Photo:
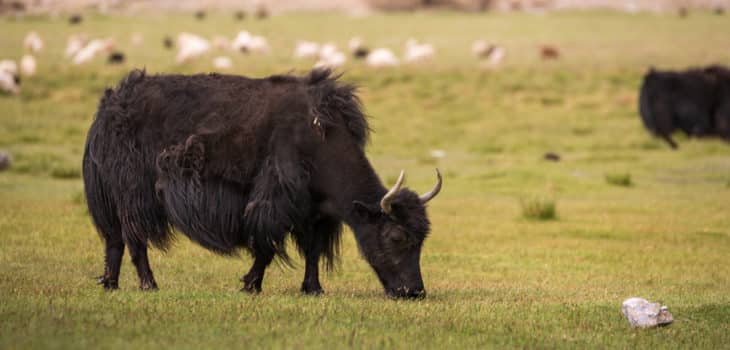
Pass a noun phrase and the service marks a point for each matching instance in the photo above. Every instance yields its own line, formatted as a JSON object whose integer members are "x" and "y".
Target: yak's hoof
{"x": 312, "y": 291}
{"x": 148, "y": 286}
{"x": 251, "y": 289}
{"x": 107, "y": 283}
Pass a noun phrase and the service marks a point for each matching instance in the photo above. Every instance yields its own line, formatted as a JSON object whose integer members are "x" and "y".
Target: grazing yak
{"x": 240, "y": 164}
{"x": 695, "y": 101}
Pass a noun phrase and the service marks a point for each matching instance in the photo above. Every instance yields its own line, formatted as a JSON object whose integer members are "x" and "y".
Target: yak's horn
{"x": 385, "y": 202}
{"x": 429, "y": 196}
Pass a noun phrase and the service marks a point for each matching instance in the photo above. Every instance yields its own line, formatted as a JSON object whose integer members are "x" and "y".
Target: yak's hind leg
{"x": 253, "y": 279}
{"x": 321, "y": 239}
{"x": 112, "y": 260}
{"x": 138, "y": 252}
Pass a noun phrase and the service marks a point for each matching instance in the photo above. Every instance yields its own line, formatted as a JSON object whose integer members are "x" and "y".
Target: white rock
{"x": 136, "y": 39}
{"x": 644, "y": 314}
{"x": 438, "y": 153}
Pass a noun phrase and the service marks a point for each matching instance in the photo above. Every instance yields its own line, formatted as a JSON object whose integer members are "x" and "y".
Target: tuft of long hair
{"x": 332, "y": 99}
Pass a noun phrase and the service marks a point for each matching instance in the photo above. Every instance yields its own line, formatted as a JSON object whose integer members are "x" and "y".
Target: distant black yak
{"x": 239, "y": 164}
{"x": 695, "y": 101}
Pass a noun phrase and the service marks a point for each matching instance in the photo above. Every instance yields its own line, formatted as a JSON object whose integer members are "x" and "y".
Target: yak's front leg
{"x": 320, "y": 240}
{"x": 138, "y": 252}
{"x": 255, "y": 276}
{"x": 311, "y": 284}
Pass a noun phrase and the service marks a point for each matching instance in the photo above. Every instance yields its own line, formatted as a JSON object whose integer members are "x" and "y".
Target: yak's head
{"x": 391, "y": 235}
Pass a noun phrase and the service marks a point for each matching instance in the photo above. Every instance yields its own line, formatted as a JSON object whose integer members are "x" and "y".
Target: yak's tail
{"x": 102, "y": 208}
{"x": 119, "y": 190}
{"x": 645, "y": 105}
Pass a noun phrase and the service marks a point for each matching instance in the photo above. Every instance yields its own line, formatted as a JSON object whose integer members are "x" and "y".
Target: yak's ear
{"x": 365, "y": 211}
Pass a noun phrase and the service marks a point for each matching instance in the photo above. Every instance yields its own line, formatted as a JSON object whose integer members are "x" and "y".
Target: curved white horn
{"x": 385, "y": 202}
{"x": 429, "y": 196}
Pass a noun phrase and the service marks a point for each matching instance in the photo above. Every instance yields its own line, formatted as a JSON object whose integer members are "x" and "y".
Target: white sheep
{"x": 382, "y": 57}
{"x": 306, "y": 49}
{"x": 33, "y": 42}
{"x": 493, "y": 54}
{"x": 222, "y": 63}
{"x": 245, "y": 42}
{"x": 416, "y": 51}
{"x": 357, "y": 48}
{"x": 9, "y": 80}
{"x": 333, "y": 60}
{"x": 191, "y": 47}
{"x": 74, "y": 44}
{"x": 28, "y": 65}
{"x": 259, "y": 44}
{"x": 91, "y": 50}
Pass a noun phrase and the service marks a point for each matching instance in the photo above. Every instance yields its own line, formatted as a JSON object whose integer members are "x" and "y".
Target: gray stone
{"x": 5, "y": 160}
{"x": 644, "y": 314}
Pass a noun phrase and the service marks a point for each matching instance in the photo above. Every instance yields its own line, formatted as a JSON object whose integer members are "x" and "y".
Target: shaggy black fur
{"x": 695, "y": 101}
{"x": 237, "y": 163}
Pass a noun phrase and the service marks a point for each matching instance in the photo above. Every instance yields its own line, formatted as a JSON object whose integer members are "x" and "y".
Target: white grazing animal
{"x": 241, "y": 42}
{"x": 28, "y": 65}
{"x": 74, "y": 44}
{"x": 418, "y": 52}
{"x": 331, "y": 60}
{"x": 355, "y": 44}
{"x": 33, "y": 42}
{"x": 91, "y": 50}
{"x": 479, "y": 48}
{"x": 9, "y": 66}
{"x": 9, "y": 77}
{"x": 191, "y": 47}
{"x": 259, "y": 44}
{"x": 495, "y": 56}
{"x": 245, "y": 42}
{"x": 382, "y": 57}
{"x": 306, "y": 49}
{"x": 223, "y": 63}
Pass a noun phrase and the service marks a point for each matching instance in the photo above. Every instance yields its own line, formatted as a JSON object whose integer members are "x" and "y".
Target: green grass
{"x": 619, "y": 179}
{"x": 494, "y": 279}
{"x": 538, "y": 208}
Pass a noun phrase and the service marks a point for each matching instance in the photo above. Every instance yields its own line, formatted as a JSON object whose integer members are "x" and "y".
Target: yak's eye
{"x": 397, "y": 236}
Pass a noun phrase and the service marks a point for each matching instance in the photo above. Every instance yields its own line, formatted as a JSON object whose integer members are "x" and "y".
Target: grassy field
{"x": 494, "y": 277}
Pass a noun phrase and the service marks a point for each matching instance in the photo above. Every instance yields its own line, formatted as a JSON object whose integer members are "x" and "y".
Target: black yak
{"x": 240, "y": 164}
{"x": 694, "y": 101}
